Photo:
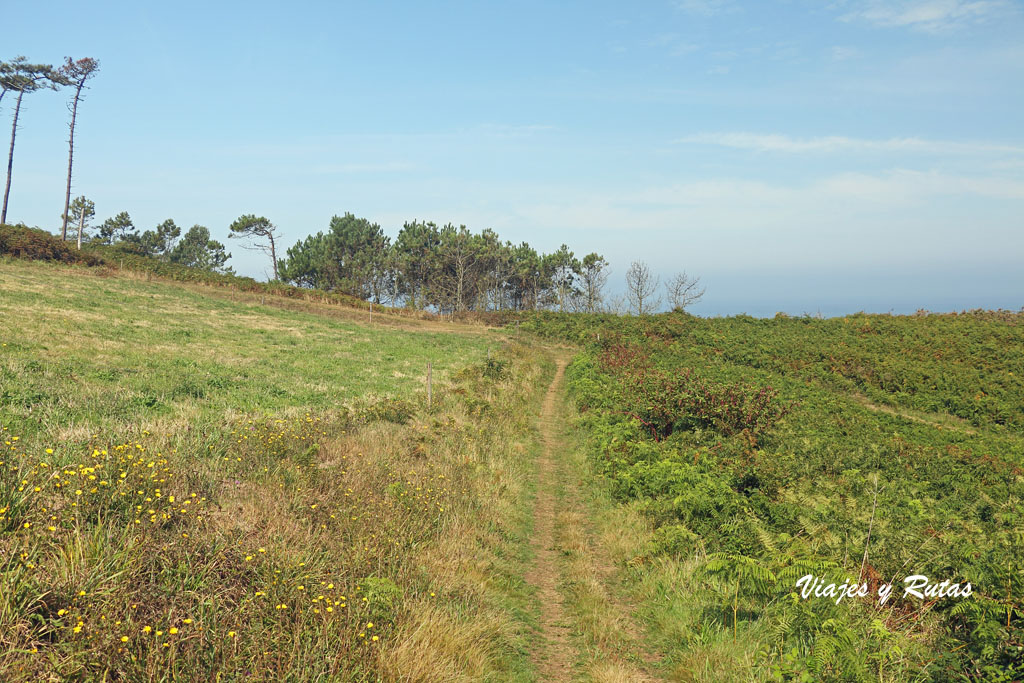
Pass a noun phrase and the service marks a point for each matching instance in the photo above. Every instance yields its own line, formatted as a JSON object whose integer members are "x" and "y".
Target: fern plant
{"x": 736, "y": 574}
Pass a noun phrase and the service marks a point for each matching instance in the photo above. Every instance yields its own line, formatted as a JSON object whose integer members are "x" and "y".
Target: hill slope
{"x": 192, "y": 486}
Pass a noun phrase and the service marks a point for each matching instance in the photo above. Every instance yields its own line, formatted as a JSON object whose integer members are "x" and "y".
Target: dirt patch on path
{"x": 555, "y": 658}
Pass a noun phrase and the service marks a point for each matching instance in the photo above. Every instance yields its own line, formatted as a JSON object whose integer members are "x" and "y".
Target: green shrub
{"x": 495, "y": 369}
{"x": 674, "y": 539}
{"x": 32, "y": 243}
{"x": 383, "y": 599}
{"x": 394, "y": 410}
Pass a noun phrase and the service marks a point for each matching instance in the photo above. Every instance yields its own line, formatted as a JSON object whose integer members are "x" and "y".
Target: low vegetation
{"x": 204, "y": 476}
{"x": 867, "y": 448}
{"x": 192, "y": 487}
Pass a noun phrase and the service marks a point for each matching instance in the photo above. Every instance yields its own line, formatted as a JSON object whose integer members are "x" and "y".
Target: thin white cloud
{"x": 893, "y": 188}
{"x": 841, "y": 53}
{"x": 842, "y": 220}
{"x": 927, "y": 15}
{"x": 735, "y": 204}
{"x": 906, "y": 186}
{"x": 834, "y": 143}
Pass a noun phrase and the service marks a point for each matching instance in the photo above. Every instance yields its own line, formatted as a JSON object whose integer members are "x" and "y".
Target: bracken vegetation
{"x": 204, "y": 478}
{"x": 865, "y": 447}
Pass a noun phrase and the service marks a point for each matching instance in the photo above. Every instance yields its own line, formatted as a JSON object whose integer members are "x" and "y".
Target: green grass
{"x": 199, "y": 488}
{"x": 83, "y": 353}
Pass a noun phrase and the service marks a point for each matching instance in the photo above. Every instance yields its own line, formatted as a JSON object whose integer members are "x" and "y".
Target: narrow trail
{"x": 555, "y": 659}
{"x": 572, "y": 573}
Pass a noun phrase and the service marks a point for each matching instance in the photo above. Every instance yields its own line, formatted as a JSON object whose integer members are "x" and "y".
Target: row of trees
{"x": 447, "y": 268}
{"x": 22, "y": 77}
{"x": 452, "y": 269}
{"x": 165, "y": 242}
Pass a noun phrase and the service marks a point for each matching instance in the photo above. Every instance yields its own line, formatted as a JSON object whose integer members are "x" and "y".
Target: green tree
{"x": 593, "y": 278}
{"x": 356, "y": 255}
{"x": 197, "y": 250}
{"x": 305, "y": 264}
{"x": 526, "y": 278}
{"x": 455, "y": 278}
{"x": 258, "y": 227}
{"x": 495, "y": 272}
{"x": 414, "y": 250}
{"x": 22, "y": 77}
{"x": 564, "y": 267}
{"x": 6, "y": 68}
{"x": 82, "y": 210}
{"x": 74, "y": 73}
{"x": 160, "y": 242}
{"x": 118, "y": 228}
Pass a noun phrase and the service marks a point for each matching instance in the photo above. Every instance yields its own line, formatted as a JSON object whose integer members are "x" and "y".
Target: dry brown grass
{"x": 435, "y": 508}
{"x": 438, "y": 644}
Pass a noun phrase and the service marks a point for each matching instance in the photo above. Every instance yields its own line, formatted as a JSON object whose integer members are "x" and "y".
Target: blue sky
{"x": 799, "y": 155}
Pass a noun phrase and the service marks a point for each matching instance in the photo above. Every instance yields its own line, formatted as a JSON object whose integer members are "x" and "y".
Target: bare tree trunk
{"x": 273, "y": 256}
{"x": 81, "y": 225}
{"x": 71, "y": 158}
{"x": 10, "y": 157}
{"x": 460, "y": 276}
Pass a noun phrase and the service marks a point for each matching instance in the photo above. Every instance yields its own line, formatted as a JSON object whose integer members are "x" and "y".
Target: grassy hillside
{"x": 88, "y": 353}
{"x": 868, "y": 447}
{"x": 199, "y": 480}
{"x": 193, "y": 485}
